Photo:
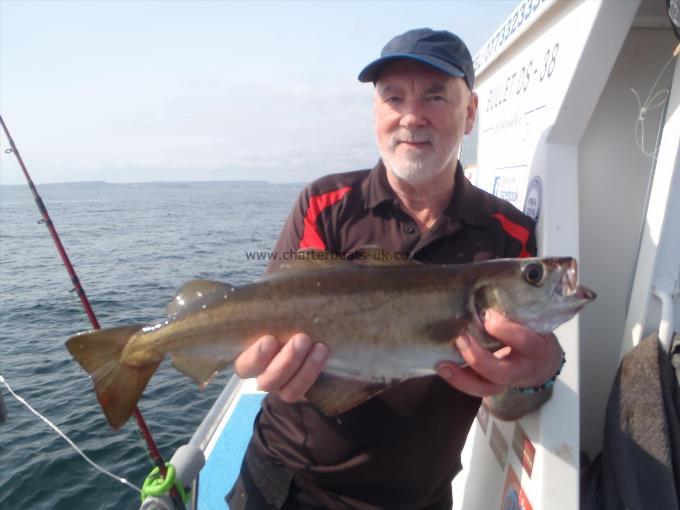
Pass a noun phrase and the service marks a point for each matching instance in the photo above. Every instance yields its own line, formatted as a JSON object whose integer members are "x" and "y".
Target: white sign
{"x": 520, "y": 99}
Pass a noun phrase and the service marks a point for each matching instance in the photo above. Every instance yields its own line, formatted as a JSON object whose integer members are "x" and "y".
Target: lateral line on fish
{"x": 372, "y": 308}
{"x": 68, "y": 440}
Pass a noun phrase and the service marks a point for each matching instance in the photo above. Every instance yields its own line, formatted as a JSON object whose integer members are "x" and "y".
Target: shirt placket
{"x": 445, "y": 226}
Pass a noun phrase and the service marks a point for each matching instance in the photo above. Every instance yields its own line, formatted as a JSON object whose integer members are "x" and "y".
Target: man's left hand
{"x": 527, "y": 359}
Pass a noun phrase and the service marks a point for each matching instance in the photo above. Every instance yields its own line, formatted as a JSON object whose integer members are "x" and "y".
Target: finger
{"x": 515, "y": 335}
{"x": 303, "y": 379}
{"x": 497, "y": 370}
{"x": 255, "y": 359}
{"x": 467, "y": 380}
{"x": 544, "y": 364}
{"x": 503, "y": 352}
{"x": 285, "y": 364}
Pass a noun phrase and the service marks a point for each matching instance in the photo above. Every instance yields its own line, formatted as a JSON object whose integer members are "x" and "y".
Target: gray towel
{"x": 641, "y": 450}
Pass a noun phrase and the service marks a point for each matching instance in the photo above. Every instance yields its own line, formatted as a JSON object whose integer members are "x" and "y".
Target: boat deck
{"x": 220, "y": 470}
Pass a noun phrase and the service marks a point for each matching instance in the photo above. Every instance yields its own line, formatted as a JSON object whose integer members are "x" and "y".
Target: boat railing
{"x": 212, "y": 420}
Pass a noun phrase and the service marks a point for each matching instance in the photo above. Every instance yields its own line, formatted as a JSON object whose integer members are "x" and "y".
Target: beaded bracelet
{"x": 547, "y": 384}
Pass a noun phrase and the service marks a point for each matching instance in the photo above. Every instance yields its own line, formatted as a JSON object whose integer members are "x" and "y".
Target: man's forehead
{"x": 408, "y": 70}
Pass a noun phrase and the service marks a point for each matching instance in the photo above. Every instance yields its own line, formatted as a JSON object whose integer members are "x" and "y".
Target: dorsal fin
{"x": 373, "y": 255}
{"x": 311, "y": 259}
{"x": 197, "y": 295}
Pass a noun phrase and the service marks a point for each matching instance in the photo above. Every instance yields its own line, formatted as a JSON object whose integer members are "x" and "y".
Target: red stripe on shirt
{"x": 311, "y": 237}
{"x": 516, "y": 231}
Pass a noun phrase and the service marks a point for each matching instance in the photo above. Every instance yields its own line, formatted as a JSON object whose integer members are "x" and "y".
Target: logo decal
{"x": 534, "y": 198}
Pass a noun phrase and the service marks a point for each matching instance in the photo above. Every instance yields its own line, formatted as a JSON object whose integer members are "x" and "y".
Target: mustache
{"x": 411, "y": 136}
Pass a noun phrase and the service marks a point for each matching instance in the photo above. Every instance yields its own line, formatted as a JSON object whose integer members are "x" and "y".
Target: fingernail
{"x": 302, "y": 343}
{"x": 319, "y": 353}
{"x": 462, "y": 343}
{"x": 446, "y": 373}
{"x": 268, "y": 345}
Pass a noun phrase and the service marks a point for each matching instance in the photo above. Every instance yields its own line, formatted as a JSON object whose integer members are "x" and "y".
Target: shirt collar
{"x": 376, "y": 189}
{"x": 466, "y": 200}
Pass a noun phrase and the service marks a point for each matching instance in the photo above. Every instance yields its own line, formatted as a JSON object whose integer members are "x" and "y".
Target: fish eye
{"x": 533, "y": 273}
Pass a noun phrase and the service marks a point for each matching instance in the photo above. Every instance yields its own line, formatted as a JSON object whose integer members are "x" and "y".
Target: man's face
{"x": 421, "y": 116}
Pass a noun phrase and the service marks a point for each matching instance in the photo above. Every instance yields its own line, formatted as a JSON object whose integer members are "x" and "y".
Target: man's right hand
{"x": 289, "y": 369}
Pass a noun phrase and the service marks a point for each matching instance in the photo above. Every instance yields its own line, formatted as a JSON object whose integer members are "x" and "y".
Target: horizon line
{"x": 258, "y": 181}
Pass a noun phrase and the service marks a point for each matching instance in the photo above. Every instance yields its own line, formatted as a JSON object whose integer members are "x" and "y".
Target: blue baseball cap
{"x": 440, "y": 49}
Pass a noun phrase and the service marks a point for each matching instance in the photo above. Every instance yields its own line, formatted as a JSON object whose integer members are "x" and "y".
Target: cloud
{"x": 254, "y": 130}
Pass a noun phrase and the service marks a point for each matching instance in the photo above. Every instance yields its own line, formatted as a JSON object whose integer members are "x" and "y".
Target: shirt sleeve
{"x": 306, "y": 228}
{"x": 531, "y": 247}
{"x": 521, "y": 237}
{"x": 291, "y": 234}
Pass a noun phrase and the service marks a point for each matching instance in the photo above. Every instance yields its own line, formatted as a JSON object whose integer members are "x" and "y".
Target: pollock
{"x": 384, "y": 321}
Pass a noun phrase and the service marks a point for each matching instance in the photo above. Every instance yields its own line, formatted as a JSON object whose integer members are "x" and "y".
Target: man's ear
{"x": 473, "y": 102}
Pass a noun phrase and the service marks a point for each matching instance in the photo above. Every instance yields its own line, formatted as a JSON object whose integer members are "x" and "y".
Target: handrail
{"x": 213, "y": 418}
{"x": 666, "y": 323}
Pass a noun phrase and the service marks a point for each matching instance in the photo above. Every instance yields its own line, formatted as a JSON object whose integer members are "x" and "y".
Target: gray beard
{"x": 415, "y": 170}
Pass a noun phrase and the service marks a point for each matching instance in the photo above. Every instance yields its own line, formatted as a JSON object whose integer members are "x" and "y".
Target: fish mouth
{"x": 568, "y": 285}
{"x": 585, "y": 293}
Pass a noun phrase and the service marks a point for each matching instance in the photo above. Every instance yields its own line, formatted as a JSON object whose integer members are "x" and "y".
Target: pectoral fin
{"x": 334, "y": 395}
{"x": 445, "y": 330}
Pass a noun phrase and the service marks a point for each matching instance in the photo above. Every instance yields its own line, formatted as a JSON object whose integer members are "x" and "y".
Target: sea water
{"x": 133, "y": 245}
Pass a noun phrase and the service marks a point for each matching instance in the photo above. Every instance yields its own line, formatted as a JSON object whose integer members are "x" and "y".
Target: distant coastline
{"x": 155, "y": 183}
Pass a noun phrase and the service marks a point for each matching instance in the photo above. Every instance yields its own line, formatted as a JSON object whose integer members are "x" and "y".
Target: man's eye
{"x": 393, "y": 99}
{"x": 436, "y": 98}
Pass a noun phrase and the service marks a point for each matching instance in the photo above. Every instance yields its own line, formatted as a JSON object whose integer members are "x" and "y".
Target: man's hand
{"x": 289, "y": 369}
{"x": 527, "y": 359}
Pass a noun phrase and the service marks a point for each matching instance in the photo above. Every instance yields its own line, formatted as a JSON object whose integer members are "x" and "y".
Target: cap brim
{"x": 371, "y": 72}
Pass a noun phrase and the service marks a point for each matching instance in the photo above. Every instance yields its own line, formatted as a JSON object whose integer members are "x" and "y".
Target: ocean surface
{"x": 133, "y": 245}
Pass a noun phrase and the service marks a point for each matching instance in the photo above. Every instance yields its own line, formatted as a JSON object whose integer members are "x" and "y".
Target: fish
{"x": 384, "y": 319}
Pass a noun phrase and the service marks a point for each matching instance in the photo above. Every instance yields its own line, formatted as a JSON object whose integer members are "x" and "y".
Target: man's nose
{"x": 413, "y": 115}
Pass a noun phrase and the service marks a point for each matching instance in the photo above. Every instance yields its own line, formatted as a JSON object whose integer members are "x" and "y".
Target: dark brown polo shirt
{"x": 401, "y": 449}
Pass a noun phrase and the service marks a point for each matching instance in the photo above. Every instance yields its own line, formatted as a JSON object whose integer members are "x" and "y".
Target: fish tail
{"x": 118, "y": 385}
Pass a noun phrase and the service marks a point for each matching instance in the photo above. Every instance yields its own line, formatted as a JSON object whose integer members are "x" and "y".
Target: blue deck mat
{"x": 224, "y": 463}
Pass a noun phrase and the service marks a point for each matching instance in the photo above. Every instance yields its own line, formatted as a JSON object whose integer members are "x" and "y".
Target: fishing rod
{"x": 146, "y": 433}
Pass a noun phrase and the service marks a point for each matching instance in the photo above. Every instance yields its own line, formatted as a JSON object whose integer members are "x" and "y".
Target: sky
{"x": 135, "y": 91}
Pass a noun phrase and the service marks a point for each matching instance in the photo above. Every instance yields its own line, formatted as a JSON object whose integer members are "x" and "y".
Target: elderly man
{"x": 401, "y": 449}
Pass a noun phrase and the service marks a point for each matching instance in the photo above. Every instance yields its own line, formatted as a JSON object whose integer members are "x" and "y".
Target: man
{"x": 401, "y": 449}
